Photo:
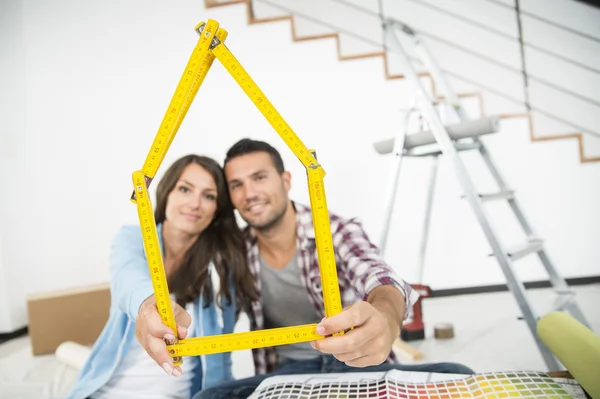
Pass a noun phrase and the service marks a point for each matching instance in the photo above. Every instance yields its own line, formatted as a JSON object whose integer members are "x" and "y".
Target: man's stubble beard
{"x": 270, "y": 224}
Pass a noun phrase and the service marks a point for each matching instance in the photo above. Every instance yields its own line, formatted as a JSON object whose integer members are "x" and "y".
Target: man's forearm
{"x": 390, "y": 302}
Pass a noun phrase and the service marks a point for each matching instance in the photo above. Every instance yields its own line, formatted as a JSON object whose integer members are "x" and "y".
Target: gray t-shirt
{"x": 285, "y": 303}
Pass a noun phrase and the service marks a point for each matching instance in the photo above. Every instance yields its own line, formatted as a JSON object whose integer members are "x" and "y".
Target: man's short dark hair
{"x": 249, "y": 146}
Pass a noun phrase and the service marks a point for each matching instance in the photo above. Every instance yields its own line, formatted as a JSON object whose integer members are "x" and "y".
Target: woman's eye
{"x": 183, "y": 189}
{"x": 210, "y": 197}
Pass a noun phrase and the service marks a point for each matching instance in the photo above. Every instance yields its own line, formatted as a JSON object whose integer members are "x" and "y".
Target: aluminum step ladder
{"x": 450, "y": 141}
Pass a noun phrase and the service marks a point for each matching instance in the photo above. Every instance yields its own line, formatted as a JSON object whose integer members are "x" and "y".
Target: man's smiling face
{"x": 258, "y": 191}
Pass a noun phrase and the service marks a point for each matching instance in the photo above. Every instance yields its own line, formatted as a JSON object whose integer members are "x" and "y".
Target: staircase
{"x": 515, "y": 58}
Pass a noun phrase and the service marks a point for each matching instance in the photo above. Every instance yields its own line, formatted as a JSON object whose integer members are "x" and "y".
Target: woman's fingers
{"x": 152, "y": 333}
{"x": 157, "y": 350}
{"x": 182, "y": 317}
{"x": 182, "y": 332}
{"x": 155, "y": 345}
{"x": 150, "y": 321}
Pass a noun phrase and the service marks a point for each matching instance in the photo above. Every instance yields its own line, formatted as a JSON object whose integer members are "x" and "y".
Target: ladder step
{"x": 468, "y": 129}
{"x": 533, "y": 246}
{"x": 435, "y": 151}
{"x": 564, "y": 300}
{"x": 503, "y": 194}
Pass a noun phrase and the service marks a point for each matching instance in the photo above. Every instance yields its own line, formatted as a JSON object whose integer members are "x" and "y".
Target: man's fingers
{"x": 367, "y": 355}
{"x": 370, "y": 350}
{"x": 354, "y": 316}
{"x": 349, "y": 342}
{"x": 364, "y": 361}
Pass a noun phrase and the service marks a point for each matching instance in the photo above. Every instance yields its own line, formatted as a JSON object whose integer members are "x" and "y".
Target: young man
{"x": 283, "y": 258}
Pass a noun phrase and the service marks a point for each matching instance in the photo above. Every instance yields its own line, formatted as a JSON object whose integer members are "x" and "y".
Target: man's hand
{"x": 376, "y": 326}
{"x": 152, "y": 333}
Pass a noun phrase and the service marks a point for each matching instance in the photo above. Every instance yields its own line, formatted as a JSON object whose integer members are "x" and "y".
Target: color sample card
{"x": 515, "y": 385}
{"x": 411, "y": 385}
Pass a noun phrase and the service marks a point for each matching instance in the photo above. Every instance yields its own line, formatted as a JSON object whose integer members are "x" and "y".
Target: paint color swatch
{"x": 392, "y": 385}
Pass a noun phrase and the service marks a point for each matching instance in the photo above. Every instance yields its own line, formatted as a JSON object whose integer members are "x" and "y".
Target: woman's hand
{"x": 152, "y": 333}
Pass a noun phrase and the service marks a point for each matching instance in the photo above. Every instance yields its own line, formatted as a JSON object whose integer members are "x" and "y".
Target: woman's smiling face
{"x": 192, "y": 203}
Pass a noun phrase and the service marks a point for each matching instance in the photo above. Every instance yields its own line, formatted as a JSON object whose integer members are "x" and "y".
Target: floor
{"x": 488, "y": 337}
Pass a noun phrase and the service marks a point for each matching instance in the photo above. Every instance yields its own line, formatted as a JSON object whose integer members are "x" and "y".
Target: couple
{"x": 215, "y": 271}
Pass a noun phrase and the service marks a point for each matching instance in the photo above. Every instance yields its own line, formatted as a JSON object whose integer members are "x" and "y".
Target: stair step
{"x": 353, "y": 47}
{"x": 267, "y": 12}
{"x": 307, "y": 28}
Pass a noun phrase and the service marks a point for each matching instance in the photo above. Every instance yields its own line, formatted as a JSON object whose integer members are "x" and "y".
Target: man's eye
{"x": 234, "y": 186}
{"x": 260, "y": 177}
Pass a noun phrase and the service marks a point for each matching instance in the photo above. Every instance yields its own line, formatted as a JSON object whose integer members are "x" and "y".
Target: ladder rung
{"x": 503, "y": 194}
{"x": 564, "y": 300}
{"x": 460, "y": 146}
{"x": 533, "y": 246}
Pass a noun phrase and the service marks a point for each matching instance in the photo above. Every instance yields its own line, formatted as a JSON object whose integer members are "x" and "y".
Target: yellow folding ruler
{"x": 211, "y": 45}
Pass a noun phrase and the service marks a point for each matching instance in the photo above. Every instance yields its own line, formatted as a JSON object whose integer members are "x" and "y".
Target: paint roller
{"x": 73, "y": 354}
{"x": 470, "y": 128}
{"x": 576, "y": 346}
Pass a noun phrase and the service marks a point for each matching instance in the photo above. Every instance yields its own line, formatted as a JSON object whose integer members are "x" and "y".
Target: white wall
{"x": 12, "y": 103}
{"x": 88, "y": 84}
{"x": 5, "y": 318}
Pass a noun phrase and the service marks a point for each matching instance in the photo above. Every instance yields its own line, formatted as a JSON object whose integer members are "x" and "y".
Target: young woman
{"x": 204, "y": 254}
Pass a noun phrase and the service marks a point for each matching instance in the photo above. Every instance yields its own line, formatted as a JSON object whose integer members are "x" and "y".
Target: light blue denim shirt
{"x": 130, "y": 286}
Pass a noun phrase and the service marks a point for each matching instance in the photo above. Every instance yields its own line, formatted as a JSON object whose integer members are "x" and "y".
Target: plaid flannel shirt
{"x": 360, "y": 269}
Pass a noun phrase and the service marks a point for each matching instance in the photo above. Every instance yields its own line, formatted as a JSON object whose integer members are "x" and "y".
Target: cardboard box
{"x": 77, "y": 315}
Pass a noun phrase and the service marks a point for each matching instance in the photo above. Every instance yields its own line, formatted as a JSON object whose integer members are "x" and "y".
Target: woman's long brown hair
{"x": 222, "y": 242}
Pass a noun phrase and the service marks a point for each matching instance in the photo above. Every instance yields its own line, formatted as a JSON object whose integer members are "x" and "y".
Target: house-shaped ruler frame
{"x": 210, "y": 46}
